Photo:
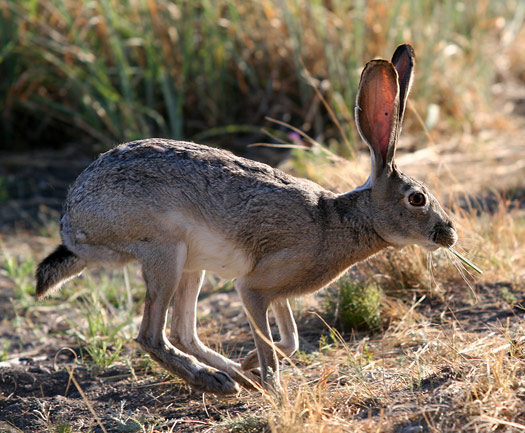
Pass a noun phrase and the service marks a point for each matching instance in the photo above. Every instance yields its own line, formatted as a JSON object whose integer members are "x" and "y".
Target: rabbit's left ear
{"x": 377, "y": 112}
{"x": 404, "y": 60}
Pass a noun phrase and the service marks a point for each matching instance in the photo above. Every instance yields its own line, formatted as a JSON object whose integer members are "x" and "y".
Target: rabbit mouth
{"x": 444, "y": 235}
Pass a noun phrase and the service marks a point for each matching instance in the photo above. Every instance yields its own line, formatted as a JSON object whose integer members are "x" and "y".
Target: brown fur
{"x": 181, "y": 208}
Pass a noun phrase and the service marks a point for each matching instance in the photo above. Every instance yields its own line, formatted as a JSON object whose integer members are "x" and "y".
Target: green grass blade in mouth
{"x": 466, "y": 261}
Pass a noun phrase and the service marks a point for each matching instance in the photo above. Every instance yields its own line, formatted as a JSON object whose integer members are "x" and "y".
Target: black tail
{"x": 57, "y": 268}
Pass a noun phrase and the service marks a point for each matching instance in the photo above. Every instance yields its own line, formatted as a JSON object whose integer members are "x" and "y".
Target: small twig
{"x": 279, "y": 146}
{"x": 465, "y": 260}
{"x": 127, "y": 285}
{"x": 204, "y": 404}
{"x": 326, "y": 105}
{"x": 421, "y": 122}
{"x": 502, "y": 422}
{"x": 84, "y": 397}
{"x": 313, "y": 143}
{"x": 56, "y": 368}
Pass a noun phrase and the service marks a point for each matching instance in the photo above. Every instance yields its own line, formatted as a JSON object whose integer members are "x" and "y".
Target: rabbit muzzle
{"x": 444, "y": 234}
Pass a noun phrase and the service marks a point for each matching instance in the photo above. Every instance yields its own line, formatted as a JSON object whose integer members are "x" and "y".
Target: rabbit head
{"x": 403, "y": 209}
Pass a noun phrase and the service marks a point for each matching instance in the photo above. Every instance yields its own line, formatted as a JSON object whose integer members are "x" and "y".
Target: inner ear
{"x": 378, "y": 105}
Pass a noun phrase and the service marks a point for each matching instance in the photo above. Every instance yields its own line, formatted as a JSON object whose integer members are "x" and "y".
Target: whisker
{"x": 430, "y": 268}
{"x": 459, "y": 265}
{"x": 465, "y": 260}
{"x": 465, "y": 273}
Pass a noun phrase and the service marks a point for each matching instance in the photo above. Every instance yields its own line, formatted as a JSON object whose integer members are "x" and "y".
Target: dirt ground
{"x": 44, "y": 387}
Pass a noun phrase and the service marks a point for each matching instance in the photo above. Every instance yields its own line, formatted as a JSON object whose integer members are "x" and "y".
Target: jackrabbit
{"x": 181, "y": 208}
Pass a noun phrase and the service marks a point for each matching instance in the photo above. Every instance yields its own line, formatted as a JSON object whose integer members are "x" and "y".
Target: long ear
{"x": 404, "y": 61}
{"x": 377, "y": 112}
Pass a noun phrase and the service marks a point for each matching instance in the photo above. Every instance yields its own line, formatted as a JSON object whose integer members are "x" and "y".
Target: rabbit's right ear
{"x": 377, "y": 112}
{"x": 404, "y": 60}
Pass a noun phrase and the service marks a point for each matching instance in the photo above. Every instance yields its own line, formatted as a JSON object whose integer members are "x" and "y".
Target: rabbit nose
{"x": 450, "y": 224}
{"x": 444, "y": 234}
{"x": 454, "y": 237}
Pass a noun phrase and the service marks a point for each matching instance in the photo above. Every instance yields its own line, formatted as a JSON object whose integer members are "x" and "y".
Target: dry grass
{"x": 449, "y": 358}
{"x": 415, "y": 377}
{"x": 440, "y": 365}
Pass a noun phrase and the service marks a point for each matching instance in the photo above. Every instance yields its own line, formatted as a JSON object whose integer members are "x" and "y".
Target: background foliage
{"x": 106, "y": 71}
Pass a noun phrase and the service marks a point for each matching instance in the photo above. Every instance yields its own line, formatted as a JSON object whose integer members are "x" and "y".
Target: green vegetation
{"x": 107, "y": 306}
{"x": 5, "y": 350}
{"x": 359, "y": 306}
{"x": 20, "y": 271}
{"x": 109, "y": 71}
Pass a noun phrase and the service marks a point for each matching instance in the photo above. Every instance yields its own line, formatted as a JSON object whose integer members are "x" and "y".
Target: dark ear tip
{"x": 404, "y": 50}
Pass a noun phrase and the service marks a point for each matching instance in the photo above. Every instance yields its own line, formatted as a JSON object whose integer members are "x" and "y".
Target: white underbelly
{"x": 210, "y": 250}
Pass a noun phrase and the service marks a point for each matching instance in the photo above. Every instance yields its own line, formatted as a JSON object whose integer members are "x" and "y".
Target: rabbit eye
{"x": 417, "y": 199}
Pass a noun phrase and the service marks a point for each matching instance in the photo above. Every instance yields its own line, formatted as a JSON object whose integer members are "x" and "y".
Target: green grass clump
{"x": 359, "y": 306}
{"x": 103, "y": 323}
{"x": 20, "y": 271}
{"x": 4, "y": 350}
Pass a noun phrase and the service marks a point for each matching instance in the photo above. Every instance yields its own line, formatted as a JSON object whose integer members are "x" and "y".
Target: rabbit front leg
{"x": 256, "y": 307}
{"x": 162, "y": 268}
{"x": 184, "y": 335}
{"x": 289, "y": 342}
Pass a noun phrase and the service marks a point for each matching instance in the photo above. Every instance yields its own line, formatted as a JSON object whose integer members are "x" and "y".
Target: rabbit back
{"x": 220, "y": 204}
